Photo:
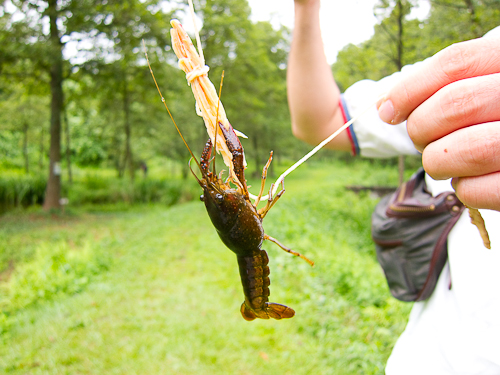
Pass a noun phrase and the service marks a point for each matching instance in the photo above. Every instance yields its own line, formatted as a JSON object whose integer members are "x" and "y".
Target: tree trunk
{"x": 400, "y": 34}
{"x": 68, "y": 149}
{"x": 42, "y": 149}
{"x": 256, "y": 155}
{"x": 401, "y": 158}
{"x": 53, "y": 192}
{"x": 25, "y": 148}
{"x": 401, "y": 169}
{"x": 128, "y": 157}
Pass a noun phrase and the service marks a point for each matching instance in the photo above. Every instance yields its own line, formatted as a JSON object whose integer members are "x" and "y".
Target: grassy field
{"x": 152, "y": 290}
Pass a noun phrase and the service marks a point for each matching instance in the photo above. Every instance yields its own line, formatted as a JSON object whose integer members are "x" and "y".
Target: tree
{"x": 393, "y": 20}
{"x": 256, "y": 91}
{"x": 119, "y": 70}
{"x": 95, "y": 22}
{"x": 452, "y": 21}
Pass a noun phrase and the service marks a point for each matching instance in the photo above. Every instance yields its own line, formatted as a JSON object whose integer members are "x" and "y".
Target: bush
{"x": 21, "y": 190}
{"x": 99, "y": 190}
{"x": 18, "y": 190}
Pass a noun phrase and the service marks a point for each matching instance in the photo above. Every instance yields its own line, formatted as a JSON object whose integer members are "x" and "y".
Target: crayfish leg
{"x": 271, "y": 200}
{"x": 263, "y": 179}
{"x": 205, "y": 158}
{"x": 288, "y": 250}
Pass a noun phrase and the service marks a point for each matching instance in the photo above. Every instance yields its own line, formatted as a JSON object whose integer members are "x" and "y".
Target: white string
{"x": 314, "y": 150}
{"x": 196, "y": 33}
{"x": 197, "y": 72}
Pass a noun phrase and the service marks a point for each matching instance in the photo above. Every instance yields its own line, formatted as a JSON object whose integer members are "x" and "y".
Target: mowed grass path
{"x": 169, "y": 302}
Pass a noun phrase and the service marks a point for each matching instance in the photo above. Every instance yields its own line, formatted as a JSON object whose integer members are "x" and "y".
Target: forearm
{"x": 313, "y": 95}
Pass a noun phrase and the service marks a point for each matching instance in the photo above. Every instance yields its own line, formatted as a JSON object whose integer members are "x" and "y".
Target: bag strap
{"x": 440, "y": 253}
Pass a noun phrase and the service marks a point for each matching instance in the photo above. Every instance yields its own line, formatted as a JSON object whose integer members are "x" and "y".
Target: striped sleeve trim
{"x": 350, "y": 130}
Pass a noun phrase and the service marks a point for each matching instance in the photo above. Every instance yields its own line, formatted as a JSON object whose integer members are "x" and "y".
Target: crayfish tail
{"x": 278, "y": 311}
{"x": 254, "y": 272}
{"x": 269, "y": 310}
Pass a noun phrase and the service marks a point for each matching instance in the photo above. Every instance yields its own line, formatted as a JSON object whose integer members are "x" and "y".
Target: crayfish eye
{"x": 202, "y": 197}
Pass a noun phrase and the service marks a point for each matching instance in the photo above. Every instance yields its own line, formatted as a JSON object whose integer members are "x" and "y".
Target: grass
{"x": 162, "y": 294}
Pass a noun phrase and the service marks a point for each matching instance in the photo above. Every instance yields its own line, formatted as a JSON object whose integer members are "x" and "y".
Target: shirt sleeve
{"x": 370, "y": 136}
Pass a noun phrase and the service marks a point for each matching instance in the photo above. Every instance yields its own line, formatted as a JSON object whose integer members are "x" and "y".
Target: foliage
{"x": 21, "y": 190}
{"x": 448, "y": 22}
{"x": 94, "y": 189}
{"x": 452, "y": 21}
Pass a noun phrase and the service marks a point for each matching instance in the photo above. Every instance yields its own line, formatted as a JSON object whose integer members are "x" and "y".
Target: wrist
{"x": 307, "y": 14}
{"x": 304, "y": 5}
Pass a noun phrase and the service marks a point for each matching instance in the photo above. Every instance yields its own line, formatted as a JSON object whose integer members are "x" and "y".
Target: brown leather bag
{"x": 410, "y": 228}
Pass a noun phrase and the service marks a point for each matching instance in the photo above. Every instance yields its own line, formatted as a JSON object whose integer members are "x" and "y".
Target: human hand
{"x": 451, "y": 104}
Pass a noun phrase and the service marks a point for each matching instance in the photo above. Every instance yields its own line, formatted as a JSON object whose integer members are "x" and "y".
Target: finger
{"x": 479, "y": 191}
{"x": 471, "y": 151}
{"x": 473, "y": 58}
{"x": 458, "y": 105}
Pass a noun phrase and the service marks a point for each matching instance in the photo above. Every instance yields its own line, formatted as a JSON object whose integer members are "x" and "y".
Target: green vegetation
{"x": 401, "y": 39}
{"x": 153, "y": 290}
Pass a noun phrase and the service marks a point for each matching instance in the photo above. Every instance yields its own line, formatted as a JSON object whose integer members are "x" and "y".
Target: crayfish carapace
{"x": 238, "y": 222}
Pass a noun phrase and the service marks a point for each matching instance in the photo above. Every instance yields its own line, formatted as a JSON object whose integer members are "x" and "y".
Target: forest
{"x": 76, "y": 95}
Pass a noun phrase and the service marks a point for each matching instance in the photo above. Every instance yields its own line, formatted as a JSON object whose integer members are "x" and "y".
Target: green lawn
{"x": 152, "y": 290}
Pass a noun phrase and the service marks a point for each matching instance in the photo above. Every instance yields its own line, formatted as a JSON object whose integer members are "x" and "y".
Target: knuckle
{"x": 432, "y": 164}
{"x": 412, "y": 130}
{"x": 458, "y": 105}
{"x": 457, "y": 61}
{"x": 483, "y": 146}
{"x": 418, "y": 131}
{"x": 467, "y": 193}
{"x": 474, "y": 192}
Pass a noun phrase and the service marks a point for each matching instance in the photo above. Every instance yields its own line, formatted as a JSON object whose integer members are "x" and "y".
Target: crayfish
{"x": 237, "y": 221}
{"x": 239, "y": 226}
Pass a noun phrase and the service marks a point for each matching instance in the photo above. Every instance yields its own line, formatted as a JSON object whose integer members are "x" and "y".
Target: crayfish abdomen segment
{"x": 254, "y": 273}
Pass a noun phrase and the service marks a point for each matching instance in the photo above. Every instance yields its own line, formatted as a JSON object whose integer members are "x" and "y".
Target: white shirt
{"x": 457, "y": 330}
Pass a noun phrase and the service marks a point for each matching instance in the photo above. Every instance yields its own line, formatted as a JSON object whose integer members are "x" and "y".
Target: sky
{"x": 342, "y": 22}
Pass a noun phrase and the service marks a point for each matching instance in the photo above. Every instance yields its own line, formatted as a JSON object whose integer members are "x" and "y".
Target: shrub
{"x": 99, "y": 190}
{"x": 21, "y": 190}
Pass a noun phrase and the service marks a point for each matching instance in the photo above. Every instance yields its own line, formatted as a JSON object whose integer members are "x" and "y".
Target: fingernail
{"x": 386, "y": 111}
{"x": 454, "y": 182}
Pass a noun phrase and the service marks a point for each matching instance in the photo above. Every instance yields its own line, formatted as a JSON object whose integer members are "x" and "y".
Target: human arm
{"x": 313, "y": 95}
{"x": 451, "y": 107}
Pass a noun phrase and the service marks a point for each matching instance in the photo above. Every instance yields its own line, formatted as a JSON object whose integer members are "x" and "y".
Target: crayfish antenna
{"x": 192, "y": 172}
{"x": 168, "y": 110}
